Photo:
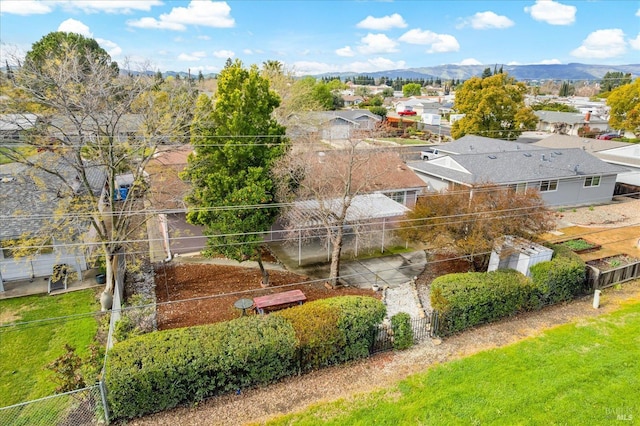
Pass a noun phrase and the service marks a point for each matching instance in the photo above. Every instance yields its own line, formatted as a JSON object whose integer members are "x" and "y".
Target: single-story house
{"x": 352, "y": 100}
{"x": 570, "y": 123}
{"x": 613, "y": 152}
{"x": 564, "y": 177}
{"x": 334, "y": 125}
{"x": 166, "y": 196}
{"x": 29, "y": 199}
{"x": 13, "y": 126}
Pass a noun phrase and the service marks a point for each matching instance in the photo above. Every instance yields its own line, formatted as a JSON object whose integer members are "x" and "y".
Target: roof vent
{"x": 493, "y": 157}
{"x": 557, "y": 152}
{"x": 543, "y": 157}
{"x": 527, "y": 154}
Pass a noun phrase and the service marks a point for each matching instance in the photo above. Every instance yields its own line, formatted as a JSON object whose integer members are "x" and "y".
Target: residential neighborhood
{"x": 255, "y": 244}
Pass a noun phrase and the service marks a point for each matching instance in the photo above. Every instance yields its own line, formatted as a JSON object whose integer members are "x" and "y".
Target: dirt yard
{"x": 205, "y": 293}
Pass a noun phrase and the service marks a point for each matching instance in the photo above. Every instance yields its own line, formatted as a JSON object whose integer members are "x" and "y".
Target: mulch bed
{"x": 205, "y": 293}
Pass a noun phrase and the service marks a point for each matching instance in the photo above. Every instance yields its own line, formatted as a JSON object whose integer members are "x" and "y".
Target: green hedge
{"x": 467, "y": 299}
{"x": 402, "y": 331}
{"x": 160, "y": 370}
{"x": 334, "y": 330}
{"x": 560, "y": 279}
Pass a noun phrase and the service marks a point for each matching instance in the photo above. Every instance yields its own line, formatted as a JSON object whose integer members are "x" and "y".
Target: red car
{"x": 407, "y": 112}
{"x": 608, "y": 136}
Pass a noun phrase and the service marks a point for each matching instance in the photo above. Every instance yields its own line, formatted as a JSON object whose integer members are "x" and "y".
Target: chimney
{"x": 587, "y": 117}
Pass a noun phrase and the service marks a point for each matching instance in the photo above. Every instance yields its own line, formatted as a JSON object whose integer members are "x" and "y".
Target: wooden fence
{"x": 601, "y": 279}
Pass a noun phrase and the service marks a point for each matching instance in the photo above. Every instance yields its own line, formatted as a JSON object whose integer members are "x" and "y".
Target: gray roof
{"x": 472, "y": 144}
{"x": 29, "y": 197}
{"x": 515, "y": 166}
{"x": 17, "y": 122}
{"x": 566, "y": 117}
{"x": 588, "y": 144}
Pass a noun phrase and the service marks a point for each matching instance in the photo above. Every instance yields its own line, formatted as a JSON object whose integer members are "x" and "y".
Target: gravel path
{"x": 297, "y": 393}
{"x": 621, "y": 211}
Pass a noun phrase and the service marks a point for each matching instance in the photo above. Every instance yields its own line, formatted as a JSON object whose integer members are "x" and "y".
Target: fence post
{"x": 103, "y": 395}
{"x": 434, "y": 324}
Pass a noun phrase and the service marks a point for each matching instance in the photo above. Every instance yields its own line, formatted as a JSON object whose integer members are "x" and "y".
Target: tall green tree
{"x": 411, "y": 89}
{"x": 625, "y": 107}
{"x": 613, "y": 79}
{"x": 54, "y": 46}
{"x": 493, "y": 107}
{"x": 236, "y": 141}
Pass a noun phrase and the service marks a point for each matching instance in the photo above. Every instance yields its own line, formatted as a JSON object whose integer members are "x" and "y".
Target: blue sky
{"x": 313, "y": 37}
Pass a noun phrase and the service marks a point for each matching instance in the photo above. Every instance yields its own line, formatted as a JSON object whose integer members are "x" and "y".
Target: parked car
{"x": 429, "y": 154}
{"x": 608, "y": 136}
{"x": 407, "y": 112}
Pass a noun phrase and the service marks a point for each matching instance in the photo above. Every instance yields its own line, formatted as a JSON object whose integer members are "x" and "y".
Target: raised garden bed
{"x": 580, "y": 245}
{"x": 612, "y": 262}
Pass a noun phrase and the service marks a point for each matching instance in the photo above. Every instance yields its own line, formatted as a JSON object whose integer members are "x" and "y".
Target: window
{"x": 591, "y": 181}
{"x": 398, "y": 197}
{"x": 548, "y": 185}
{"x": 518, "y": 188}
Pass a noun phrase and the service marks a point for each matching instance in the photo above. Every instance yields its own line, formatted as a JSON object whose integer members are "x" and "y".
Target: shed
{"x": 511, "y": 252}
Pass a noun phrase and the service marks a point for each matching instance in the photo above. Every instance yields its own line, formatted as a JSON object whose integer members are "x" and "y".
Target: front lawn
{"x": 25, "y": 349}
{"x": 583, "y": 373}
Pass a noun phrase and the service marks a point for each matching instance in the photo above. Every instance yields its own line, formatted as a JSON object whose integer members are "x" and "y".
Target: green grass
{"x": 578, "y": 244}
{"x": 26, "y": 349}
{"x": 577, "y": 374}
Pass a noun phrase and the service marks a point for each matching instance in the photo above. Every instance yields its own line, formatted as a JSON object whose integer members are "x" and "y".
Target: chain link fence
{"x": 80, "y": 407}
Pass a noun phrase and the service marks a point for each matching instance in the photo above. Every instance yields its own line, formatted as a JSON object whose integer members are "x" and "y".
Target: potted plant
{"x": 101, "y": 275}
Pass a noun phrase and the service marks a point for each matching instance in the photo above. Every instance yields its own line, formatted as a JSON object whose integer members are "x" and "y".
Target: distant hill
{"x": 572, "y": 71}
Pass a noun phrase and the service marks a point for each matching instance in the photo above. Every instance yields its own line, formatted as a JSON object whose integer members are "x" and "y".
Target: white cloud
{"x": 439, "y": 43}
{"x": 73, "y": 26}
{"x": 374, "y": 64}
{"x": 382, "y": 24}
{"x": 26, "y": 7}
{"x": 377, "y": 43}
{"x": 470, "y": 61}
{"x": 635, "y": 42}
{"x": 487, "y": 20}
{"x": 204, "y": 37}
{"x": 550, "y": 62}
{"x": 552, "y": 12}
{"x": 247, "y": 51}
{"x": 345, "y": 51}
{"x": 638, "y": 12}
{"x": 112, "y": 48}
{"x": 194, "y": 56}
{"x": 199, "y": 12}
{"x": 602, "y": 44}
{"x": 514, "y": 63}
{"x": 111, "y": 6}
{"x": 224, "y": 54}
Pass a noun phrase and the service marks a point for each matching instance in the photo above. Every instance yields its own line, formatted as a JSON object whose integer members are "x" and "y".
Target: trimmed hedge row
{"x": 473, "y": 298}
{"x": 334, "y": 330}
{"x": 160, "y": 370}
{"x": 560, "y": 279}
{"x": 467, "y": 299}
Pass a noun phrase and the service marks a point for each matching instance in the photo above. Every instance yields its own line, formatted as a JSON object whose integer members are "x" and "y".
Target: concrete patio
{"x": 39, "y": 286}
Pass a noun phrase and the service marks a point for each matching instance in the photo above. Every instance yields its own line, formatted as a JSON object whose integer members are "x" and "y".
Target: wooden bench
{"x": 278, "y": 300}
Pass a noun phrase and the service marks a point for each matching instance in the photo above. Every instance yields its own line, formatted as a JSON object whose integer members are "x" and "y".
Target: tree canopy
{"x": 613, "y": 79}
{"x": 467, "y": 221}
{"x": 625, "y": 107}
{"x": 493, "y": 107}
{"x": 236, "y": 141}
{"x": 411, "y": 89}
{"x": 56, "y": 44}
{"x": 95, "y": 126}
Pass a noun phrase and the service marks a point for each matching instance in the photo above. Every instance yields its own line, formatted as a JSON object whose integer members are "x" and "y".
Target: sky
{"x": 315, "y": 37}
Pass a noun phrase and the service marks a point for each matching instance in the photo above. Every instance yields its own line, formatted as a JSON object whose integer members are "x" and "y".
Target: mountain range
{"x": 558, "y": 72}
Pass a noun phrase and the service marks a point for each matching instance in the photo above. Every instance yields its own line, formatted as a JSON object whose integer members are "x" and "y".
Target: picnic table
{"x": 278, "y": 300}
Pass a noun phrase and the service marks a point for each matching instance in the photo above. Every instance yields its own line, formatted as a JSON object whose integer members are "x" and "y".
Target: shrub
{"x": 159, "y": 370}
{"x": 334, "y": 330}
{"x": 402, "y": 331}
{"x": 358, "y": 317}
{"x": 560, "y": 279}
{"x": 467, "y": 299}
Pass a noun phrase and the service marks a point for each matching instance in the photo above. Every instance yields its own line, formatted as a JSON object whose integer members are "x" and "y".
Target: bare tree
{"x": 325, "y": 189}
{"x": 97, "y": 132}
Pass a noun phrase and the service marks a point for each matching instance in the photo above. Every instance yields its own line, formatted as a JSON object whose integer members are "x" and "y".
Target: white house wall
{"x": 39, "y": 266}
{"x": 572, "y": 192}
